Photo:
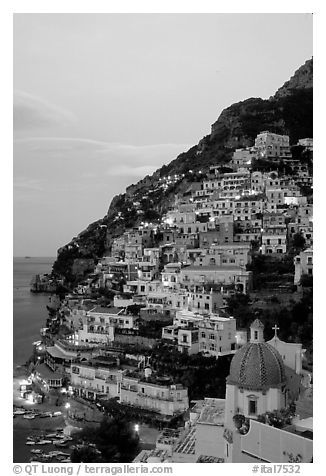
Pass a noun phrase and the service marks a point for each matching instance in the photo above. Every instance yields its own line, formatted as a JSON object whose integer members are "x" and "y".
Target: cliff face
{"x": 302, "y": 79}
{"x": 289, "y": 112}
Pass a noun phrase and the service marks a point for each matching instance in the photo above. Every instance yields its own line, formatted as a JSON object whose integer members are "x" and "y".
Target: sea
{"x": 29, "y": 315}
{"x": 29, "y": 309}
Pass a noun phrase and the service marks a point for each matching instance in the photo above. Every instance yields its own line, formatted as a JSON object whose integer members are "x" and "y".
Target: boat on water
{"x": 44, "y": 442}
{"x": 45, "y": 415}
{"x": 62, "y": 444}
{"x": 19, "y": 412}
{"x": 29, "y": 416}
{"x": 56, "y": 413}
{"x": 43, "y": 458}
{"x": 37, "y": 451}
{"x": 51, "y": 435}
{"x": 30, "y": 443}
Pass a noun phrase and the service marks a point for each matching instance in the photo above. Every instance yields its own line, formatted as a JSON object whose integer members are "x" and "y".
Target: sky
{"x": 101, "y": 100}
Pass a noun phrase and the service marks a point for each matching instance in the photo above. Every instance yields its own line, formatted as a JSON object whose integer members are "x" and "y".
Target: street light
{"x": 136, "y": 428}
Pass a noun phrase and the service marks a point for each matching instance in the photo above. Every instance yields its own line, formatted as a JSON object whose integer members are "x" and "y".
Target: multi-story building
{"x": 273, "y": 242}
{"x": 243, "y": 158}
{"x": 147, "y": 271}
{"x": 187, "y": 339}
{"x": 99, "y": 324}
{"x": 201, "y": 301}
{"x": 150, "y": 392}
{"x": 307, "y": 143}
{"x": 272, "y": 146}
{"x": 96, "y": 378}
{"x": 217, "y": 336}
{"x": 171, "y": 276}
{"x": 247, "y": 208}
{"x": 238, "y": 276}
{"x": 303, "y": 265}
{"x": 210, "y": 334}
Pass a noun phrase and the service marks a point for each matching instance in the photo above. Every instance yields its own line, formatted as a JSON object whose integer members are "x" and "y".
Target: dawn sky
{"x": 101, "y": 100}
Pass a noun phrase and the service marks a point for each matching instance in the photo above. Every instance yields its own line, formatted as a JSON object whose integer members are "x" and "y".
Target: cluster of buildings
{"x": 178, "y": 273}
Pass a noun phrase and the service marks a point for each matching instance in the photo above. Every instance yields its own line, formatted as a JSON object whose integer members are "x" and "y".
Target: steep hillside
{"x": 289, "y": 111}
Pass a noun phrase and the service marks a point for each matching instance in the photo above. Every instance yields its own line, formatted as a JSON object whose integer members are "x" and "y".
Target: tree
{"x": 298, "y": 242}
{"x": 115, "y": 441}
{"x": 306, "y": 281}
{"x": 238, "y": 420}
{"x": 85, "y": 454}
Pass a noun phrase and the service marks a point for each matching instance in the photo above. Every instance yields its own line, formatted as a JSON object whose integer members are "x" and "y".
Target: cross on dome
{"x": 275, "y": 329}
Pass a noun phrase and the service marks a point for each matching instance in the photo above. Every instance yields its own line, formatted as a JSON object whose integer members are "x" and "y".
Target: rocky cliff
{"x": 289, "y": 111}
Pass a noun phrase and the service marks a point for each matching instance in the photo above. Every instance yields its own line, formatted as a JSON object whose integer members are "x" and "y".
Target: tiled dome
{"x": 257, "y": 366}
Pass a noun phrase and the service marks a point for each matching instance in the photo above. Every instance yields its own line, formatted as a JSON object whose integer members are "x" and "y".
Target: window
{"x": 211, "y": 336}
{"x": 252, "y": 410}
{"x": 203, "y": 335}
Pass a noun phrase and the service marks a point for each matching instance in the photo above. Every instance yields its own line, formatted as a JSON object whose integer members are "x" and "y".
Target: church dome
{"x": 257, "y": 365}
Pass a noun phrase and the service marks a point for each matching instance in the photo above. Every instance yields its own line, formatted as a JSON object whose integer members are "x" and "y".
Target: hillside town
{"x": 198, "y": 322}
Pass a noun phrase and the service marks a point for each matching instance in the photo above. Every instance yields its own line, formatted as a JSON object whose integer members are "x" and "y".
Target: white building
{"x": 96, "y": 378}
{"x": 271, "y": 145}
{"x": 152, "y": 393}
{"x": 303, "y": 265}
{"x": 99, "y": 324}
{"x": 273, "y": 243}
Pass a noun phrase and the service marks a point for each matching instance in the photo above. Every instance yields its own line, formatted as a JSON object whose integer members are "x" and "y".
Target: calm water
{"x": 29, "y": 309}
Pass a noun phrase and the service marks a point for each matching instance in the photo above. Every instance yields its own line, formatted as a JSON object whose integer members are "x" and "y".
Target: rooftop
{"x": 209, "y": 459}
{"x": 106, "y": 310}
{"x": 187, "y": 444}
{"x": 46, "y": 373}
{"x": 212, "y": 412}
{"x": 213, "y": 268}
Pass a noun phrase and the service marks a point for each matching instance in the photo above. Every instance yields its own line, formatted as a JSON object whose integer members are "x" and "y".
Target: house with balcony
{"x": 187, "y": 340}
{"x": 242, "y": 158}
{"x": 151, "y": 392}
{"x": 147, "y": 271}
{"x": 270, "y": 146}
{"x": 171, "y": 276}
{"x": 217, "y": 336}
{"x": 274, "y": 241}
{"x": 199, "y": 275}
{"x": 96, "y": 378}
{"x": 99, "y": 324}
